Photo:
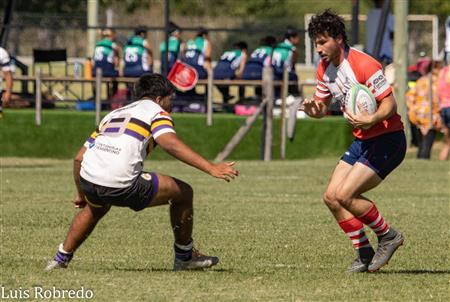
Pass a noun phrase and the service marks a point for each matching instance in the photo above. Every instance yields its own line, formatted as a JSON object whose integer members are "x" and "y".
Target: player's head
{"x": 155, "y": 87}
{"x": 242, "y": 45}
{"x": 174, "y": 29}
{"x": 328, "y": 23}
{"x": 268, "y": 41}
{"x": 327, "y": 31}
{"x": 202, "y": 32}
{"x": 292, "y": 35}
{"x": 140, "y": 31}
{"x": 108, "y": 33}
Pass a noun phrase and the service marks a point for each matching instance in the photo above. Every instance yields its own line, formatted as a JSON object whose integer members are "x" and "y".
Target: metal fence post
{"x": 284, "y": 93}
{"x": 98, "y": 95}
{"x": 209, "y": 105}
{"x": 268, "y": 94}
{"x": 38, "y": 104}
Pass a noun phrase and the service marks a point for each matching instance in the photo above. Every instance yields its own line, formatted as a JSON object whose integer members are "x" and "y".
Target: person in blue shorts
{"x": 137, "y": 55}
{"x": 230, "y": 66}
{"x": 261, "y": 57}
{"x": 108, "y": 171}
{"x": 198, "y": 53}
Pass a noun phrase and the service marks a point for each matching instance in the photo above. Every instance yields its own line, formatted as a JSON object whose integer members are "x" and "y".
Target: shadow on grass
{"x": 416, "y": 272}
{"x": 14, "y": 166}
{"x": 164, "y": 270}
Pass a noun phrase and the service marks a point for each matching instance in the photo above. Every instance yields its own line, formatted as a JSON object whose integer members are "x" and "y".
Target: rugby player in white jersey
{"x": 108, "y": 171}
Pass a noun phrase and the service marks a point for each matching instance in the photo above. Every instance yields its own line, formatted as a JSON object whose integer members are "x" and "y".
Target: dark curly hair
{"x": 152, "y": 85}
{"x": 327, "y": 22}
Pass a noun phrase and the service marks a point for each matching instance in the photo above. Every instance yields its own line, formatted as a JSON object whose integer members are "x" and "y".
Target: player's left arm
{"x": 387, "y": 107}
{"x": 178, "y": 149}
{"x": 80, "y": 199}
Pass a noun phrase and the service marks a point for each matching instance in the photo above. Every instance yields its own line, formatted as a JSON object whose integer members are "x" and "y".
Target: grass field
{"x": 276, "y": 239}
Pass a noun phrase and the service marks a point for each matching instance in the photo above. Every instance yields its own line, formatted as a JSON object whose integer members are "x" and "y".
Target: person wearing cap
{"x": 284, "y": 56}
{"x": 138, "y": 56}
{"x": 198, "y": 53}
{"x": 176, "y": 47}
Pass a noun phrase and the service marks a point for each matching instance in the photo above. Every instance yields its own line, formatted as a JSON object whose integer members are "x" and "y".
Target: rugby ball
{"x": 360, "y": 100}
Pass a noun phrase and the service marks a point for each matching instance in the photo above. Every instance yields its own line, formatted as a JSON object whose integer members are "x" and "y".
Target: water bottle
{"x": 77, "y": 70}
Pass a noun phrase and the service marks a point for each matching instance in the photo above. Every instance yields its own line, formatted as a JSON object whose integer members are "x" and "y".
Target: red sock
{"x": 355, "y": 231}
{"x": 373, "y": 219}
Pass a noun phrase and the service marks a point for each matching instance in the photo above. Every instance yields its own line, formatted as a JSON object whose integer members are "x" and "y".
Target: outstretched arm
{"x": 175, "y": 147}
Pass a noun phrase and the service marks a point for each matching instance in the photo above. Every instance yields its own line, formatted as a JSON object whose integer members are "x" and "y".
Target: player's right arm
{"x": 175, "y": 147}
{"x": 317, "y": 106}
{"x": 79, "y": 201}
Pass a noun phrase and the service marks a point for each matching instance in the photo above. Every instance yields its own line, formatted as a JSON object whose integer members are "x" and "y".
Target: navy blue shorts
{"x": 445, "y": 115}
{"x": 137, "y": 196}
{"x": 382, "y": 153}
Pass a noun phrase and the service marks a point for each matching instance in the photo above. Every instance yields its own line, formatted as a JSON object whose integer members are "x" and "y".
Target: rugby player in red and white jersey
{"x": 379, "y": 145}
{"x": 108, "y": 171}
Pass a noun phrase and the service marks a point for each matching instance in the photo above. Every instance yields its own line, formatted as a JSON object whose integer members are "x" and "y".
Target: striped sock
{"x": 355, "y": 231}
{"x": 373, "y": 219}
{"x": 183, "y": 252}
{"x": 62, "y": 256}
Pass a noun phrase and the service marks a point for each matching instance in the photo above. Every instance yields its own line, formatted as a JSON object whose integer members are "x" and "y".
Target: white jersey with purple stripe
{"x": 116, "y": 151}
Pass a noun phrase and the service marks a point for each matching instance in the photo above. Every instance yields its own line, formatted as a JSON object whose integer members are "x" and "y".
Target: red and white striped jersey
{"x": 357, "y": 67}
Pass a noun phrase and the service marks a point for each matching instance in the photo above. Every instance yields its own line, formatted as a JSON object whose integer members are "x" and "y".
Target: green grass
{"x": 276, "y": 239}
{"x": 63, "y": 132}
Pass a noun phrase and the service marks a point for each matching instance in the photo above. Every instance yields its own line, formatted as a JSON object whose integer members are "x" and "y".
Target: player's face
{"x": 328, "y": 48}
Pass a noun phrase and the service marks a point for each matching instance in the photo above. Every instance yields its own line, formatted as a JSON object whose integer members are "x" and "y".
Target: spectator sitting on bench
{"x": 231, "y": 66}
{"x": 261, "y": 57}
{"x": 138, "y": 56}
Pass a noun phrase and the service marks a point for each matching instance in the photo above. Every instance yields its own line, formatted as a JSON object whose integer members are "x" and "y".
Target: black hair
{"x": 240, "y": 45}
{"x": 152, "y": 85}
{"x": 290, "y": 33}
{"x": 173, "y": 27}
{"x": 268, "y": 41}
{"x": 140, "y": 30}
{"x": 202, "y": 31}
{"x": 329, "y": 23}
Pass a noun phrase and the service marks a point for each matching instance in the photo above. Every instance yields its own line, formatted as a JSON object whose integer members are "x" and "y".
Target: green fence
{"x": 63, "y": 132}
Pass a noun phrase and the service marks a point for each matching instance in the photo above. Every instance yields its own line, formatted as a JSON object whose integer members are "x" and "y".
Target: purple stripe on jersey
{"x": 134, "y": 134}
{"x": 161, "y": 127}
{"x": 90, "y": 140}
{"x": 112, "y": 129}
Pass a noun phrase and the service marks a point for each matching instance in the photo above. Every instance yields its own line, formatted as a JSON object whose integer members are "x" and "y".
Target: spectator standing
{"x": 443, "y": 88}
{"x": 5, "y": 65}
{"x": 423, "y": 110}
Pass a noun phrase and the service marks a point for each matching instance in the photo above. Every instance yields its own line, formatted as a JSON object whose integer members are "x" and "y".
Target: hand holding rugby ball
{"x": 360, "y": 101}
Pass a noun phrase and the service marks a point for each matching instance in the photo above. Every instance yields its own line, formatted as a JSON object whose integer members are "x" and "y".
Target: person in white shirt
{"x": 5, "y": 66}
{"x": 108, "y": 171}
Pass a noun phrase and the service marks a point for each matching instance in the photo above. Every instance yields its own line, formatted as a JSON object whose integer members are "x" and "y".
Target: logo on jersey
{"x": 146, "y": 176}
{"x": 378, "y": 82}
{"x": 91, "y": 145}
